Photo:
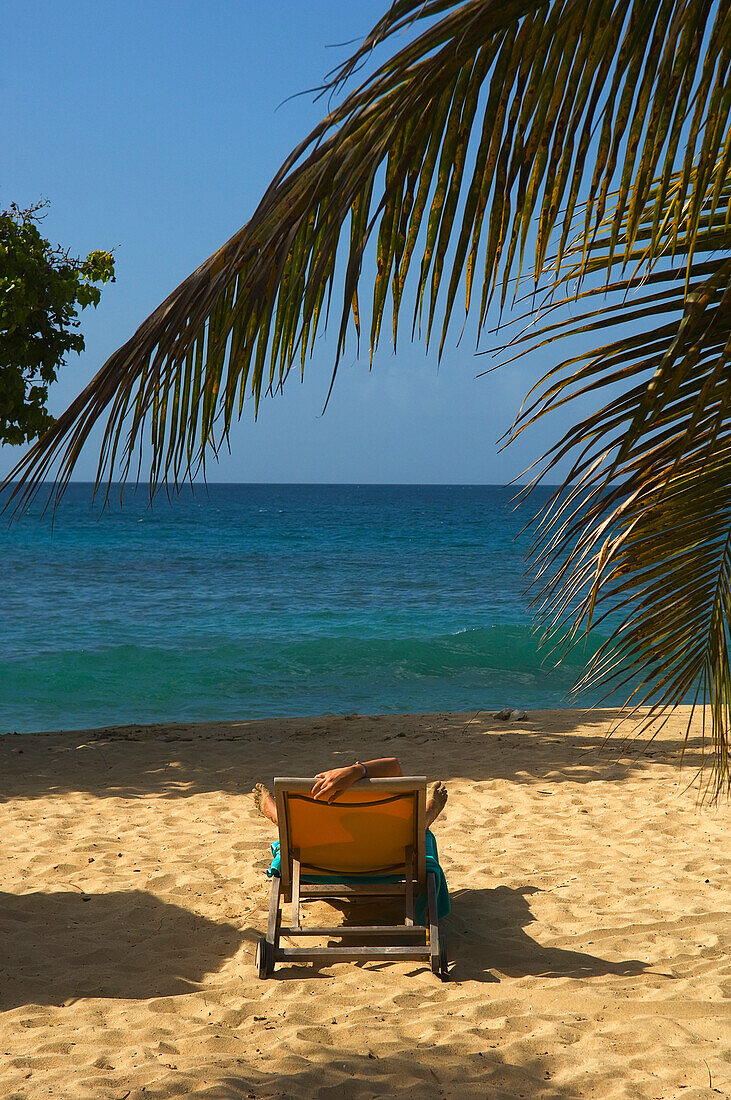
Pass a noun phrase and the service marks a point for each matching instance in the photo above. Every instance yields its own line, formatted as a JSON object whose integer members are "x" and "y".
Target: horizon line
{"x": 204, "y": 484}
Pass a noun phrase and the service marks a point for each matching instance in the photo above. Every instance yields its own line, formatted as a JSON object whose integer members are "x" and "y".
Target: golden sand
{"x": 590, "y": 933}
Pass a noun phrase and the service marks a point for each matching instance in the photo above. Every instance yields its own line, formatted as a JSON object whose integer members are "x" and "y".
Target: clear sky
{"x": 153, "y": 127}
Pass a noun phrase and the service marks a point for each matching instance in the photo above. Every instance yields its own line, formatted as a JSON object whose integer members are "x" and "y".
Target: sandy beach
{"x": 589, "y": 938}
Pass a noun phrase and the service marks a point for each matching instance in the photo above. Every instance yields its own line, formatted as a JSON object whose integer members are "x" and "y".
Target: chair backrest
{"x": 367, "y": 831}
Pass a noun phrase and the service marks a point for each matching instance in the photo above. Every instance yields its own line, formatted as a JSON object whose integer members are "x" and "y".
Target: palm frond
{"x": 495, "y": 119}
{"x": 639, "y": 534}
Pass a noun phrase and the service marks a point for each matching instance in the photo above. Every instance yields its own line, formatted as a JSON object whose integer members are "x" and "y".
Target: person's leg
{"x": 435, "y": 803}
{"x": 265, "y": 803}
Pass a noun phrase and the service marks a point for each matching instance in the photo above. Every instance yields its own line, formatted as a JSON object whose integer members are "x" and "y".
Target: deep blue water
{"x": 241, "y": 601}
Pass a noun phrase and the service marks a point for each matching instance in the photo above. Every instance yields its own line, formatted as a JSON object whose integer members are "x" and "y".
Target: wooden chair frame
{"x": 409, "y": 941}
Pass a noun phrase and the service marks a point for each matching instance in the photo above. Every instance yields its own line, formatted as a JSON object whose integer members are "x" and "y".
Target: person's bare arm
{"x": 328, "y": 785}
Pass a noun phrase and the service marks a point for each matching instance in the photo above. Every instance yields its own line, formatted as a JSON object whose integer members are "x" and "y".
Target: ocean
{"x": 246, "y": 601}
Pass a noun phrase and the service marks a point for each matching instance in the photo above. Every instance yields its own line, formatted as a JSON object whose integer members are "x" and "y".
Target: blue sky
{"x": 153, "y": 128}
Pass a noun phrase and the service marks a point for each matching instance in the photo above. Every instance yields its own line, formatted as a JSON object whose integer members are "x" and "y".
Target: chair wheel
{"x": 264, "y": 958}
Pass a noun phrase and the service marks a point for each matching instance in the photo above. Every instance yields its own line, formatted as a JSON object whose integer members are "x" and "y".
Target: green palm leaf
{"x": 638, "y": 537}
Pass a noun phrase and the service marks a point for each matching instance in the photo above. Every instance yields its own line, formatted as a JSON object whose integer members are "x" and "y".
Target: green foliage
{"x": 641, "y": 526}
{"x": 42, "y": 290}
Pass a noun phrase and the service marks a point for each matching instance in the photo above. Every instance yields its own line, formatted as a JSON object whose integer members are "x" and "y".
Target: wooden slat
{"x": 284, "y": 853}
{"x": 420, "y": 837}
{"x": 296, "y": 890}
{"x": 338, "y": 954}
{"x": 357, "y": 930}
{"x": 393, "y": 784}
{"x": 344, "y": 890}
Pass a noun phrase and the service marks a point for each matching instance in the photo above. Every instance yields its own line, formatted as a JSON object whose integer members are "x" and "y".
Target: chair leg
{"x": 267, "y": 945}
{"x": 295, "y": 893}
{"x": 409, "y": 886}
{"x": 431, "y": 895}
{"x": 272, "y": 936}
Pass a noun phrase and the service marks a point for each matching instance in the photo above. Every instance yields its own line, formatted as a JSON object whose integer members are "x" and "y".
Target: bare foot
{"x": 264, "y": 802}
{"x": 435, "y": 803}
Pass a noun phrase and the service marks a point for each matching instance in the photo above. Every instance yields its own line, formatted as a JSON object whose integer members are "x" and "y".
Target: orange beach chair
{"x": 367, "y": 844}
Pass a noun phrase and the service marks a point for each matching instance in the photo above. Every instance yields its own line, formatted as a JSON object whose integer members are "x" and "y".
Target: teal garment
{"x": 432, "y": 864}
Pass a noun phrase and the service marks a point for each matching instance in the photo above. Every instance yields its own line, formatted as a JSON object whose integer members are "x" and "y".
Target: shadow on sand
{"x": 178, "y": 761}
{"x": 442, "y": 1071}
{"x": 58, "y": 954}
{"x": 486, "y": 939}
{"x": 489, "y": 932}
{"x": 56, "y": 947}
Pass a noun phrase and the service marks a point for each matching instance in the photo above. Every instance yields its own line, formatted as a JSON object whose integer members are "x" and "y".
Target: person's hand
{"x": 328, "y": 785}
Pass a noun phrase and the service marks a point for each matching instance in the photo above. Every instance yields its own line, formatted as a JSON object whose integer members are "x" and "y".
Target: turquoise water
{"x": 242, "y": 601}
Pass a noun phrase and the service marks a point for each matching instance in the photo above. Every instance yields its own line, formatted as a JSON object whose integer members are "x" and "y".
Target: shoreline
{"x": 542, "y": 717}
{"x": 589, "y": 938}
